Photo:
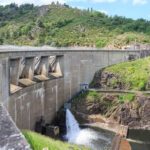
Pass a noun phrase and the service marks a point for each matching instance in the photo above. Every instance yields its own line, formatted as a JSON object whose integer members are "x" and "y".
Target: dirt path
{"x": 120, "y": 91}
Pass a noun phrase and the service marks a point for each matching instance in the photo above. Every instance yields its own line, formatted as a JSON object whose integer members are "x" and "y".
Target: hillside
{"x": 61, "y": 25}
{"x": 134, "y": 75}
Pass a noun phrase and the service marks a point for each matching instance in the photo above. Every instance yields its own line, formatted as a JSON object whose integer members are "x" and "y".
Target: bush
{"x": 101, "y": 43}
{"x": 126, "y": 97}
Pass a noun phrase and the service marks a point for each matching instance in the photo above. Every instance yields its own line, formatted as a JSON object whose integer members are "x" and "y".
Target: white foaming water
{"x": 72, "y": 126}
{"x": 79, "y": 136}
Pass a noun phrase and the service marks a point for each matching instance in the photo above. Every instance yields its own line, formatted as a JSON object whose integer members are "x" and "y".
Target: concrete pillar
{"x": 28, "y": 71}
{"x": 14, "y": 70}
{"x": 43, "y": 67}
{"x": 52, "y": 63}
{"x": 4, "y": 80}
{"x": 59, "y": 65}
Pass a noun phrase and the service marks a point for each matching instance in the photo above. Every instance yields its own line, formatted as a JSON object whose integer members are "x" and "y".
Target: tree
{"x": 40, "y": 23}
{"x": 1, "y": 41}
{"x": 7, "y": 35}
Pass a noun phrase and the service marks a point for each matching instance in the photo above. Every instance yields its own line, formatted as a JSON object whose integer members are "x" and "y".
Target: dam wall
{"x": 30, "y": 90}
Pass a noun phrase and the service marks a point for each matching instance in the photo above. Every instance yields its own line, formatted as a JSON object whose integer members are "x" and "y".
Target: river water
{"x": 99, "y": 139}
{"x": 94, "y": 139}
{"x": 139, "y": 139}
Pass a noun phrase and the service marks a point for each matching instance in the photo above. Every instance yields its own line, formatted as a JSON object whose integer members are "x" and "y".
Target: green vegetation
{"x": 39, "y": 142}
{"x": 93, "y": 96}
{"x": 61, "y": 25}
{"x": 133, "y": 75}
{"x": 92, "y": 102}
{"x": 89, "y": 96}
{"x": 126, "y": 98}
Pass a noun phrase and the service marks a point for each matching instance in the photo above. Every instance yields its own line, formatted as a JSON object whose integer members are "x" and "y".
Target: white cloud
{"x": 139, "y": 2}
{"x": 103, "y": 11}
{"x": 135, "y": 2}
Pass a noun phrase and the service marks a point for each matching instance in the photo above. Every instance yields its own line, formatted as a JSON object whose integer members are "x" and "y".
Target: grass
{"x": 128, "y": 97}
{"x": 133, "y": 75}
{"x": 93, "y": 96}
{"x": 89, "y": 96}
{"x": 40, "y": 142}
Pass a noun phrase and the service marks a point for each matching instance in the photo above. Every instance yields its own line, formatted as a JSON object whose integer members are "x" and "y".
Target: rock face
{"x": 106, "y": 80}
{"x": 124, "y": 76}
{"x": 135, "y": 115}
{"x": 96, "y": 83}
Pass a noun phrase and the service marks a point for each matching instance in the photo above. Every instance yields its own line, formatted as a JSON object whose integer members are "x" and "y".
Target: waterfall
{"x": 75, "y": 134}
{"x": 87, "y": 137}
{"x": 72, "y": 126}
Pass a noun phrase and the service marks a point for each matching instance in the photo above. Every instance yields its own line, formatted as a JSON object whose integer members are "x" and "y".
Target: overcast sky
{"x": 129, "y": 8}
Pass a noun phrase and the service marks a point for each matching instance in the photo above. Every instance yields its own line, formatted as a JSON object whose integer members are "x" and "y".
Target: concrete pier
{"x": 43, "y": 67}
{"x": 28, "y": 70}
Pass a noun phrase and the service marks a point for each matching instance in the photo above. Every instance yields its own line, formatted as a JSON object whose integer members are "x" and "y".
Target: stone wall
{"x": 10, "y": 137}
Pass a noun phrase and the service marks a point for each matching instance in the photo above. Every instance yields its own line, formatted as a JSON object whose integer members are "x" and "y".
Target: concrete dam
{"x": 37, "y": 81}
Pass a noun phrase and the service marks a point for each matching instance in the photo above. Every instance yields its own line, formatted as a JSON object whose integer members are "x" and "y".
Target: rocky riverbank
{"x": 128, "y": 109}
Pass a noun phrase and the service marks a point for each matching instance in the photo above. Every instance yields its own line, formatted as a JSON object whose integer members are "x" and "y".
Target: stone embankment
{"x": 10, "y": 136}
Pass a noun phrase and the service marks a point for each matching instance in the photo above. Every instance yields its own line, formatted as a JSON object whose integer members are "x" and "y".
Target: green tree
{"x": 1, "y": 41}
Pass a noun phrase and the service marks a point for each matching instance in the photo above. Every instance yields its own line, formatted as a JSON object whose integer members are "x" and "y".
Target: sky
{"x": 129, "y": 8}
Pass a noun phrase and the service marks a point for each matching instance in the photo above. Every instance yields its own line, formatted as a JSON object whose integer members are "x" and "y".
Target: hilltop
{"x": 61, "y": 25}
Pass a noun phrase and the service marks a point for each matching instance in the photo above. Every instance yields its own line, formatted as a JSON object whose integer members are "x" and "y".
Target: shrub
{"x": 126, "y": 97}
{"x": 101, "y": 43}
